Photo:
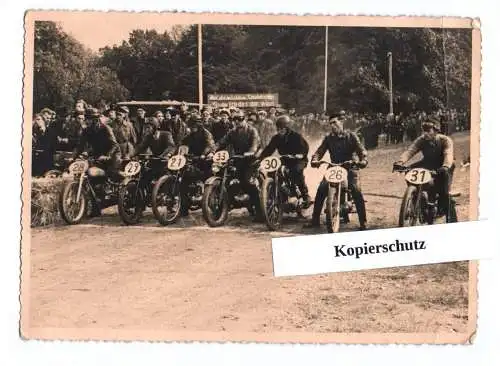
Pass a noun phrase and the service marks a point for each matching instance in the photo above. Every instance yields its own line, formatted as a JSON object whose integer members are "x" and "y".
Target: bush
{"x": 44, "y": 196}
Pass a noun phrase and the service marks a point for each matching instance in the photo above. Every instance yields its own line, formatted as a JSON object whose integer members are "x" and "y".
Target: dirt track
{"x": 104, "y": 275}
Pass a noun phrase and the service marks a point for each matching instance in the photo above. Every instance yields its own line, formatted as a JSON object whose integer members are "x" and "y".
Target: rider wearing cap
{"x": 289, "y": 142}
{"x": 437, "y": 152}
{"x": 221, "y": 127}
{"x": 101, "y": 141}
{"x": 341, "y": 145}
{"x": 159, "y": 142}
{"x": 244, "y": 139}
{"x": 200, "y": 143}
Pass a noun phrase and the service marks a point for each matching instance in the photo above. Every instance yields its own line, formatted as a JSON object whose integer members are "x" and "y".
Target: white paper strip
{"x": 324, "y": 253}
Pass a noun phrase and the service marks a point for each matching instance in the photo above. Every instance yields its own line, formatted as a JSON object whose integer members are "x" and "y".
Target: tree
{"x": 65, "y": 71}
{"x": 144, "y": 64}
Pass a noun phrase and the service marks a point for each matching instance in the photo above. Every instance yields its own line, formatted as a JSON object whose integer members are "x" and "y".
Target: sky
{"x": 98, "y": 32}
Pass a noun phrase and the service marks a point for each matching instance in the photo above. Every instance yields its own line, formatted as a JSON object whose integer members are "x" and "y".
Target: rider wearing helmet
{"x": 289, "y": 142}
{"x": 159, "y": 142}
{"x": 341, "y": 145}
{"x": 200, "y": 141}
{"x": 437, "y": 152}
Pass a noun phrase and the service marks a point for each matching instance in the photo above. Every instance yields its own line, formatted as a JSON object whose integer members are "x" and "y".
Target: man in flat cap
{"x": 124, "y": 132}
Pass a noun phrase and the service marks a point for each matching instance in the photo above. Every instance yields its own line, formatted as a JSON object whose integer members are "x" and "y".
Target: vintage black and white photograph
{"x": 167, "y": 150}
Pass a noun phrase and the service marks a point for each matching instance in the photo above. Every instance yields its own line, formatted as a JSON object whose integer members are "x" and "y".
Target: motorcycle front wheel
{"x": 410, "y": 211}
{"x": 271, "y": 204}
{"x": 131, "y": 203}
{"x": 166, "y": 200}
{"x": 215, "y": 204}
{"x": 333, "y": 210}
{"x": 72, "y": 210}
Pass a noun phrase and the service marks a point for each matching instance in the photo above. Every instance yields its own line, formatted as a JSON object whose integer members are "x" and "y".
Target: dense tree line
{"x": 431, "y": 67}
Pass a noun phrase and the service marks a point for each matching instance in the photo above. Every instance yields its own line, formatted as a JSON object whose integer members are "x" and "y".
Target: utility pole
{"x": 391, "y": 106}
{"x": 200, "y": 70}
{"x": 326, "y": 68}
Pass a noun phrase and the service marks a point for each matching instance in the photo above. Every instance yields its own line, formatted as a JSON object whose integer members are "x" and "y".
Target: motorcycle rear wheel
{"x": 131, "y": 203}
{"x": 68, "y": 193}
{"x": 333, "y": 210}
{"x": 271, "y": 205}
{"x": 166, "y": 190}
{"x": 215, "y": 193}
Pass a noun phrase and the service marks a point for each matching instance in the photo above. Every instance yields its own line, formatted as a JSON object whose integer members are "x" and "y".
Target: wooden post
{"x": 391, "y": 105}
{"x": 200, "y": 69}
{"x": 326, "y": 69}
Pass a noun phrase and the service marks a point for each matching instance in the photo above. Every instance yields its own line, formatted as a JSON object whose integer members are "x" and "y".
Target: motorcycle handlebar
{"x": 348, "y": 164}
{"x": 406, "y": 169}
{"x": 293, "y": 156}
{"x": 242, "y": 156}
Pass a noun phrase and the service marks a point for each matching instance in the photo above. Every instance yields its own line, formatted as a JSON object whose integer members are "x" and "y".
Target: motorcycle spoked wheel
{"x": 72, "y": 212}
{"x": 410, "y": 211}
{"x": 215, "y": 204}
{"x": 270, "y": 201}
{"x": 131, "y": 203}
{"x": 333, "y": 209}
{"x": 166, "y": 200}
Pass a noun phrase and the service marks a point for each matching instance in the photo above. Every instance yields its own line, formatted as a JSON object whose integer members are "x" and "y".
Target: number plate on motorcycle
{"x": 220, "y": 157}
{"x": 270, "y": 164}
{"x": 418, "y": 176}
{"x": 176, "y": 162}
{"x": 132, "y": 168}
{"x": 78, "y": 167}
{"x": 336, "y": 174}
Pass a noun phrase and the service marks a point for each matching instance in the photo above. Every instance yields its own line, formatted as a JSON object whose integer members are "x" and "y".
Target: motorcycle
{"x": 167, "y": 200}
{"x": 339, "y": 202}
{"x": 279, "y": 194}
{"x": 223, "y": 191}
{"x": 136, "y": 189}
{"x": 88, "y": 187}
{"x": 420, "y": 201}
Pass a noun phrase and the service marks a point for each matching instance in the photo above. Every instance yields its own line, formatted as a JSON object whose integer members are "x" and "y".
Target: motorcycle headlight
{"x": 215, "y": 169}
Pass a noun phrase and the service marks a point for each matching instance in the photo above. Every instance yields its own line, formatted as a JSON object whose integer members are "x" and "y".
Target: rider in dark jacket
{"x": 221, "y": 127}
{"x": 101, "y": 141}
{"x": 244, "y": 140}
{"x": 200, "y": 143}
{"x": 341, "y": 145}
{"x": 159, "y": 142}
{"x": 289, "y": 142}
